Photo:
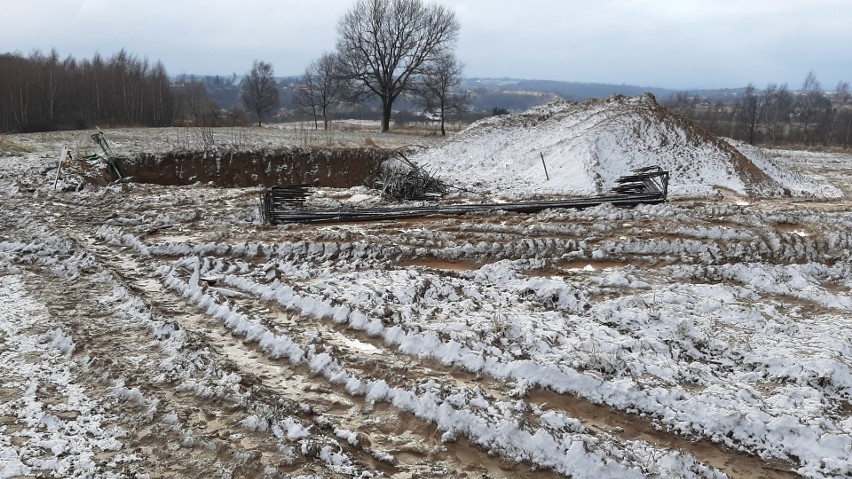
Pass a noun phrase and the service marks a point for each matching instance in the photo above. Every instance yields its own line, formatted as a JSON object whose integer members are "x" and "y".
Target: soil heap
{"x": 587, "y": 146}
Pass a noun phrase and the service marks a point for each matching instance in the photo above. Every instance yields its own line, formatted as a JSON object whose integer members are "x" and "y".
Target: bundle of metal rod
{"x": 653, "y": 191}
{"x": 649, "y": 179}
{"x": 282, "y": 198}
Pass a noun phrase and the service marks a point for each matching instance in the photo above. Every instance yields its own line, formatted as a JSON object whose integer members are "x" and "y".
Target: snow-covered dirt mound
{"x": 587, "y": 146}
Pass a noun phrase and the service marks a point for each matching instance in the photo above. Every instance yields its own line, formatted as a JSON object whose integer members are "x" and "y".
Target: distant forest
{"x": 42, "y": 92}
{"x": 775, "y": 115}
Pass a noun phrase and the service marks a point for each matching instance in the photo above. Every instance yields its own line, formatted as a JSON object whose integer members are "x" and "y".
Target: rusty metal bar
{"x": 645, "y": 186}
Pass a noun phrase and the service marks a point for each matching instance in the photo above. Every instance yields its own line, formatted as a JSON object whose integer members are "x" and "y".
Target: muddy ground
{"x": 123, "y": 273}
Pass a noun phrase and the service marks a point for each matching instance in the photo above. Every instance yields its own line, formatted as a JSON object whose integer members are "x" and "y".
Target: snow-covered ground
{"x": 162, "y": 331}
{"x": 582, "y": 148}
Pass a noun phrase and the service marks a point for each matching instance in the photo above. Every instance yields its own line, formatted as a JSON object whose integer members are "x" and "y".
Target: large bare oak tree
{"x": 385, "y": 44}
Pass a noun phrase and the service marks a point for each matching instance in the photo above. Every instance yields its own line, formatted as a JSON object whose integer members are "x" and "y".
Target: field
{"x": 163, "y": 331}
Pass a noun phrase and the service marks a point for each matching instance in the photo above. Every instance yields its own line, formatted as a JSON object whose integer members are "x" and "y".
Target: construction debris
{"x": 404, "y": 180}
{"x": 647, "y": 185}
{"x": 111, "y": 160}
{"x": 280, "y": 198}
{"x": 73, "y": 173}
{"x": 650, "y": 179}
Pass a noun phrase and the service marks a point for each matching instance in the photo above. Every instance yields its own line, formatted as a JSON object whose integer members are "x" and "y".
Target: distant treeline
{"x": 41, "y": 92}
{"x": 583, "y": 91}
{"x": 775, "y": 115}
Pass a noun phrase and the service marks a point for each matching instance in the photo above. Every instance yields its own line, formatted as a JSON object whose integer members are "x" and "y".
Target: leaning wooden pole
{"x": 62, "y": 156}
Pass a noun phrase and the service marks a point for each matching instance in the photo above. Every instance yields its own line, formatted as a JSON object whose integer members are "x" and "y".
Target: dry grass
{"x": 810, "y": 148}
{"x": 9, "y": 147}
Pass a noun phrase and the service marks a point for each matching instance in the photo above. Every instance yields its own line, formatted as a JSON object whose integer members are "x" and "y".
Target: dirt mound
{"x": 587, "y": 146}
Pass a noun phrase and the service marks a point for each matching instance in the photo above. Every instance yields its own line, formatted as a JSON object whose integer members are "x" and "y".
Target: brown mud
{"x": 334, "y": 167}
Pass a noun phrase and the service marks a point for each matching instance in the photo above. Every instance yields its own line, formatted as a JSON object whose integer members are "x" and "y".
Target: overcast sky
{"x": 680, "y": 44}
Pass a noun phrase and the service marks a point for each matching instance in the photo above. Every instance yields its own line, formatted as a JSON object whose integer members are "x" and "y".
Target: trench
{"x": 317, "y": 167}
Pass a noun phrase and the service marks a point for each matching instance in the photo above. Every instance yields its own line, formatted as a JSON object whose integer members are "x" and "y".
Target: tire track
{"x": 599, "y": 419}
{"x": 417, "y": 443}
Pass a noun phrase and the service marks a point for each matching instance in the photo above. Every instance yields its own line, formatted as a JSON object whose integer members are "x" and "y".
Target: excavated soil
{"x": 319, "y": 167}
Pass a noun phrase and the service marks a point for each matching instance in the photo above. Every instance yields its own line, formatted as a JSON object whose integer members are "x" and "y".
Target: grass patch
{"x": 10, "y": 148}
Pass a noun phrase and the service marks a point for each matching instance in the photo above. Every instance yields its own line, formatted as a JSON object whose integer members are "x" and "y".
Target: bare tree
{"x": 304, "y": 95}
{"x": 751, "y": 111}
{"x": 259, "y": 90}
{"x": 841, "y": 96}
{"x": 841, "y": 93}
{"x": 438, "y": 88}
{"x": 195, "y": 105}
{"x": 681, "y": 101}
{"x": 323, "y": 85}
{"x": 40, "y": 92}
{"x": 778, "y": 103}
{"x": 808, "y": 105}
{"x": 384, "y": 45}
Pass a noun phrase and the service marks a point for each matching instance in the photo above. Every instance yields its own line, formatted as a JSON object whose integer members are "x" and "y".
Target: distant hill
{"x": 520, "y": 94}
{"x": 585, "y": 91}
{"x": 487, "y": 94}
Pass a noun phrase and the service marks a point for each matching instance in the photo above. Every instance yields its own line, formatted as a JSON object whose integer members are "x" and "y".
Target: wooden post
{"x": 545, "y": 166}
{"x": 62, "y": 156}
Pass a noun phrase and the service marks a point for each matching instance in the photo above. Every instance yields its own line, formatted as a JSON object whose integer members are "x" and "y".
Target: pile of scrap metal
{"x": 72, "y": 174}
{"x": 404, "y": 180}
{"x": 647, "y": 185}
{"x": 648, "y": 180}
{"x": 111, "y": 160}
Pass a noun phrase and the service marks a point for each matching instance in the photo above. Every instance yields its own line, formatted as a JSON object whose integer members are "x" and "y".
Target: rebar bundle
{"x": 282, "y": 198}
{"x": 647, "y": 185}
{"x": 646, "y": 180}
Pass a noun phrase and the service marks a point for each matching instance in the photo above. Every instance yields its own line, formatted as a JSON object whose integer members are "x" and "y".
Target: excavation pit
{"x": 331, "y": 168}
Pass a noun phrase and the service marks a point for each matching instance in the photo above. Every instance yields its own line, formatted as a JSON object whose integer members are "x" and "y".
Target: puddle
{"x": 793, "y": 229}
{"x": 440, "y": 264}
